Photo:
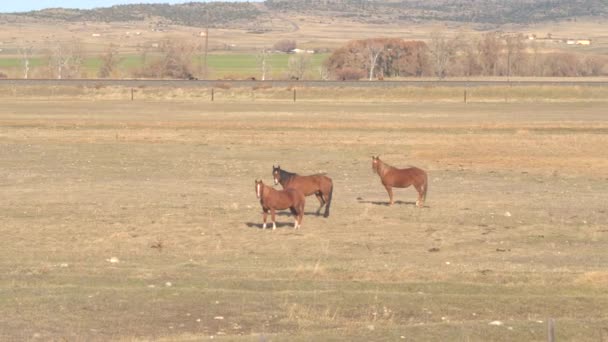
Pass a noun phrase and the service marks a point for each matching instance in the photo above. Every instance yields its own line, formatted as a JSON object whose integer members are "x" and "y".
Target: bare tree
{"x": 109, "y": 61}
{"x": 470, "y": 57}
{"x": 489, "y": 47}
{"x": 25, "y": 50}
{"x": 373, "y": 49}
{"x": 176, "y": 61}
{"x": 443, "y": 50}
{"x": 298, "y": 65}
{"x": 262, "y": 58}
{"x": 66, "y": 59}
{"x": 323, "y": 72}
{"x": 535, "y": 59}
{"x": 515, "y": 54}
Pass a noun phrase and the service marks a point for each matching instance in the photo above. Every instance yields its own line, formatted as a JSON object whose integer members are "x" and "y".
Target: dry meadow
{"x": 137, "y": 220}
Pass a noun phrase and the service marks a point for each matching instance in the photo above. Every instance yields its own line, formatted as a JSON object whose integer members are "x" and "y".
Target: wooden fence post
{"x": 132, "y": 94}
{"x": 465, "y": 96}
{"x": 212, "y": 94}
{"x": 294, "y": 94}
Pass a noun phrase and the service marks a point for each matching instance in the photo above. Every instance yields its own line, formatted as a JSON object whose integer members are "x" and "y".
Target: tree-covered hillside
{"x": 240, "y": 14}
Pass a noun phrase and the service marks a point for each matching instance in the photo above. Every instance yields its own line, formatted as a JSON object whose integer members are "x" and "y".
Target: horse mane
{"x": 383, "y": 166}
{"x": 287, "y": 176}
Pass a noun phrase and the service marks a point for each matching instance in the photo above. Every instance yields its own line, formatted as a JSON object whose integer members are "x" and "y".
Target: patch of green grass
{"x": 18, "y": 62}
{"x": 220, "y": 65}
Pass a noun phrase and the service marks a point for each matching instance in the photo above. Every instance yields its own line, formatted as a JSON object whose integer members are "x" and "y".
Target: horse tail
{"x": 331, "y": 191}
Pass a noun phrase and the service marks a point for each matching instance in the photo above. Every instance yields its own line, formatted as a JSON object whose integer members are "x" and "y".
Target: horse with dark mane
{"x": 272, "y": 200}
{"x": 401, "y": 178}
{"x": 319, "y": 184}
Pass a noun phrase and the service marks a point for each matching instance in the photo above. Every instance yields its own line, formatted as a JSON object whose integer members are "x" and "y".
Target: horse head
{"x": 276, "y": 174}
{"x": 375, "y": 162}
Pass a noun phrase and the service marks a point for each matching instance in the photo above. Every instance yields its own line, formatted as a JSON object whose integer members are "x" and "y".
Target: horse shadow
{"x": 386, "y": 204}
{"x": 287, "y": 213}
{"x": 269, "y": 225}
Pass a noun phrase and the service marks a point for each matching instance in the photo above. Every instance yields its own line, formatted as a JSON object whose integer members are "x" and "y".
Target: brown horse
{"x": 272, "y": 200}
{"x": 401, "y": 178}
{"x": 319, "y": 184}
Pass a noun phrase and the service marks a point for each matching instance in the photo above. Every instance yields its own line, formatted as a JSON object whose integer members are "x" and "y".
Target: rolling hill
{"x": 255, "y": 14}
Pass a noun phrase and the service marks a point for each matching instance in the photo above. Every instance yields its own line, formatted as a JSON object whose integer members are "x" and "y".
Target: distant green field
{"x": 247, "y": 65}
{"x": 10, "y": 63}
{"x": 220, "y": 66}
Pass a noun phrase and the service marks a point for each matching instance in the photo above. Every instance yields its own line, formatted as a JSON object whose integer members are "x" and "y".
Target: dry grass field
{"x": 311, "y": 32}
{"x": 135, "y": 221}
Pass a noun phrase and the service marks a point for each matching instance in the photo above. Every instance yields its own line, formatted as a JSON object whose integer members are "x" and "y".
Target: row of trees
{"x": 387, "y": 57}
{"x": 492, "y": 54}
{"x": 62, "y": 60}
{"x": 66, "y": 60}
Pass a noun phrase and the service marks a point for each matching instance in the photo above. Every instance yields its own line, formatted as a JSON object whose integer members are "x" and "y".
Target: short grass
{"x": 513, "y": 230}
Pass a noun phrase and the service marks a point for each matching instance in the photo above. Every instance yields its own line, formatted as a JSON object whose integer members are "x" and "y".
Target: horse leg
{"x": 274, "y": 225}
{"x": 265, "y": 216}
{"x": 294, "y": 211}
{"x": 389, "y": 189}
{"x": 420, "y": 189}
{"x": 321, "y": 201}
{"x": 327, "y": 198}
{"x": 300, "y": 215}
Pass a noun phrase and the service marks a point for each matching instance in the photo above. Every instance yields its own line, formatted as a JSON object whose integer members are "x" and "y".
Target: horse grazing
{"x": 272, "y": 200}
{"x": 319, "y": 184}
{"x": 401, "y": 178}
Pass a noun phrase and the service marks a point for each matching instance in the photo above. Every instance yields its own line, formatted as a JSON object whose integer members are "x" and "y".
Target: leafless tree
{"x": 373, "y": 49}
{"x": 262, "y": 58}
{"x": 470, "y": 56}
{"x": 25, "y": 50}
{"x": 536, "y": 57}
{"x": 66, "y": 58}
{"x": 109, "y": 61}
{"x": 489, "y": 48}
{"x": 515, "y": 54}
{"x": 323, "y": 72}
{"x": 298, "y": 65}
{"x": 177, "y": 59}
{"x": 442, "y": 49}
{"x": 175, "y": 62}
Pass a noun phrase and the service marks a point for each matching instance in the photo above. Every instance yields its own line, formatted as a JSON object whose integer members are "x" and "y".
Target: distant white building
{"x": 302, "y": 51}
{"x": 578, "y": 41}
